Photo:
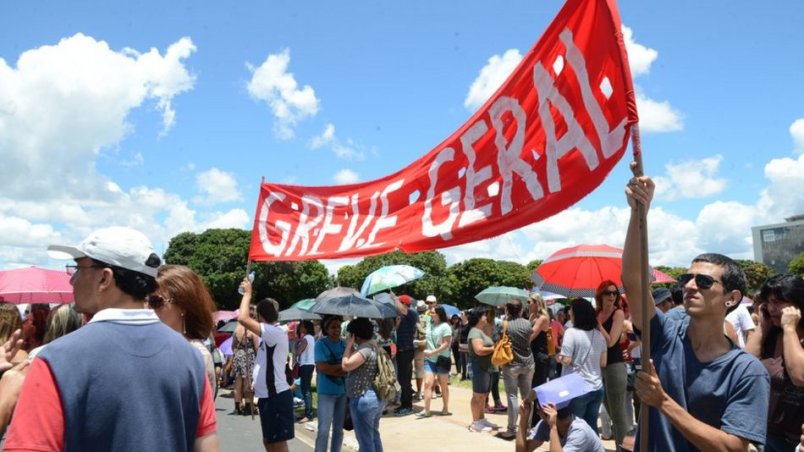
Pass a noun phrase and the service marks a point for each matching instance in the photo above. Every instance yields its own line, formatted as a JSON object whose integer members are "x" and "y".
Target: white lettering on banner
{"x": 384, "y": 221}
{"x": 508, "y": 157}
{"x": 610, "y": 141}
{"x": 451, "y": 197}
{"x": 304, "y": 226}
{"x": 329, "y": 227}
{"x": 280, "y": 225}
{"x": 473, "y": 178}
{"x": 351, "y": 237}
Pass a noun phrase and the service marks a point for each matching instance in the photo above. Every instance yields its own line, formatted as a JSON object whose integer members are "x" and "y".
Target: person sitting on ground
{"x": 704, "y": 392}
{"x": 559, "y": 427}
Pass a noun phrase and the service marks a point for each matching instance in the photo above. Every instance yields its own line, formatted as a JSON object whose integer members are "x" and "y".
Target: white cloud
{"x": 235, "y": 218}
{"x": 67, "y": 102}
{"x": 797, "y": 132}
{"x": 216, "y": 186}
{"x": 691, "y": 179}
{"x": 136, "y": 160}
{"x": 346, "y": 176}
{"x": 326, "y": 137}
{"x": 348, "y": 150}
{"x": 272, "y": 83}
{"x": 655, "y": 116}
{"x": 640, "y": 57}
{"x": 491, "y": 77}
{"x": 783, "y": 197}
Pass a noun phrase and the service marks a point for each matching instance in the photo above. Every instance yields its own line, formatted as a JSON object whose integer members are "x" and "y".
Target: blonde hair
{"x": 536, "y": 299}
{"x": 62, "y": 321}
{"x": 9, "y": 321}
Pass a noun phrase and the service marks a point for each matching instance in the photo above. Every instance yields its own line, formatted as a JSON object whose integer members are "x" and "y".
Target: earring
{"x": 183, "y": 326}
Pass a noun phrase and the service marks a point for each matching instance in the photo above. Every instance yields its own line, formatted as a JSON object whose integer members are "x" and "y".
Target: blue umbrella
{"x": 451, "y": 310}
{"x": 389, "y": 277}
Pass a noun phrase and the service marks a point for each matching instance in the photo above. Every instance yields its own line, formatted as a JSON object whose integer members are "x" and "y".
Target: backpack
{"x": 385, "y": 382}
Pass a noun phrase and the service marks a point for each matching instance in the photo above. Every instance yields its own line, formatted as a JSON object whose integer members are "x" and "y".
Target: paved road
{"x": 240, "y": 433}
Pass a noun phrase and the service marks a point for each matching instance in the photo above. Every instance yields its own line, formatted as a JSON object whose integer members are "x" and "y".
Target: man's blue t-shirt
{"x": 330, "y": 352}
{"x": 729, "y": 393}
{"x": 407, "y": 329}
{"x": 580, "y": 437}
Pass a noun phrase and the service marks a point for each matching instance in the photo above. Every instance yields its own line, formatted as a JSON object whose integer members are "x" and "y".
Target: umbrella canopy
{"x": 389, "y": 277}
{"x": 498, "y": 296}
{"x": 661, "y": 277}
{"x": 35, "y": 285}
{"x": 229, "y": 327}
{"x": 295, "y": 313}
{"x": 451, "y": 310}
{"x": 225, "y": 315}
{"x": 226, "y": 347}
{"x": 305, "y": 304}
{"x": 345, "y": 301}
{"x": 577, "y": 271}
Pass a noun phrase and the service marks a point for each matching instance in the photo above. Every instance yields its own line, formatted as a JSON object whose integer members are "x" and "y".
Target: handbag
{"x": 444, "y": 363}
{"x": 503, "y": 353}
{"x": 294, "y": 372}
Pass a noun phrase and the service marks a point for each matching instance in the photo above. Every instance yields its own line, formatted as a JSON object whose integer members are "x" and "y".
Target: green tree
{"x": 796, "y": 266}
{"x": 756, "y": 273}
{"x": 473, "y": 275}
{"x": 432, "y": 263}
{"x": 219, "y": 256}
{"x": 532, "y": 265}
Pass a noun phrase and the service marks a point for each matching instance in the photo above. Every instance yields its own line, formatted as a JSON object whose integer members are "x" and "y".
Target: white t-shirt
{"x": 741, "y": 319}
{"x": 308, "y": 355}
{"x": 272, "y": 336}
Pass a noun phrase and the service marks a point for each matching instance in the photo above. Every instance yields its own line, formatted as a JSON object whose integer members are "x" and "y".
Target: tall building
{"x": 778, "y": 244}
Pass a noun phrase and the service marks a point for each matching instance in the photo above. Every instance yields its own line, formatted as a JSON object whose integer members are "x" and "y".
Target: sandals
{"x": 423, "y": 415}
{"x": 444, "y": 413}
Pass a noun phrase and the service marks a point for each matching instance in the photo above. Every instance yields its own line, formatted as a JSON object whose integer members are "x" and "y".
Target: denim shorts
{"x": 276, "y": 417}
{"x": 432, "y": 367}
{"x": 481, "y": 378}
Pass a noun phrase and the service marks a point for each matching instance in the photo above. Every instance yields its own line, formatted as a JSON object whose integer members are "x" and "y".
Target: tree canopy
{"x": 219, "y": 256}
{"x": 796, "y": 266}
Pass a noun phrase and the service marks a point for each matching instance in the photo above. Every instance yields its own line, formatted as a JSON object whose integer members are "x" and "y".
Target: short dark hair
{"x": 268, "y": 309}
{"x": 513, "y": 308}
{"x": 361, "y": 327}
{"x": 733, "y": 275}
{"x": 787, "y": 287}
{"x": 136, "y": 284}
{"x": 585, "y": 318}
{"x": 308, "y": 327}
{"x": 441, "y": 313}
{"x": 473, "y": 316}
{"x": 564, "y": 413}
{"x": 677, "y": 294}
{"x": 326, "y": 320}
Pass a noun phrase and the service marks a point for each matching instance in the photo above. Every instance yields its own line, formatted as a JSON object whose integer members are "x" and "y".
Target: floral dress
{"x": 244, "y": 356}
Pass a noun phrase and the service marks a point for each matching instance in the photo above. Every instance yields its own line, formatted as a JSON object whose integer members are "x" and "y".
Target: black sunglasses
{"x": 156, "y": 301}
{"x": 610, "y": 292}
{"x": 701, "y": 281}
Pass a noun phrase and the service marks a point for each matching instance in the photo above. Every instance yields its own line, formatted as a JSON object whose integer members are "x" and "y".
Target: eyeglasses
{"x": 610, "y": 292}
{"x": 156, "y": 301}
{"x": 73, "y": 269}
{"x": 701, "y": 281}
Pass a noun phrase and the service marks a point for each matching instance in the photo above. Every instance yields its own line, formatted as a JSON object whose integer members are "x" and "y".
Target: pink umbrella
{"x": 225, "y": 315}
{"x": 35, "y": 285}
{"x": 661, "y": 277}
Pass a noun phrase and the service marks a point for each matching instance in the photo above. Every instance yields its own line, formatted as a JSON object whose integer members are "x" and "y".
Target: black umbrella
{"x": 344, "y": 301}
{"x": 229, "y": 327}
{"x": 294, "y": 313}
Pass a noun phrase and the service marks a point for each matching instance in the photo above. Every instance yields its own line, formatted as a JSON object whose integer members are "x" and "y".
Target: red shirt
{"x": 38, "y": 423}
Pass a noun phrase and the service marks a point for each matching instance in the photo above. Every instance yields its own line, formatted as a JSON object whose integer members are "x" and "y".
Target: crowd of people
{"x": 722, "y": 375}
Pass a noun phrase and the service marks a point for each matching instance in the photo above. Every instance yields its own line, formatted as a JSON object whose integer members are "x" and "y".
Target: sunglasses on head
{"x": 701, "y": 281}
{"x": 156, "y": 301}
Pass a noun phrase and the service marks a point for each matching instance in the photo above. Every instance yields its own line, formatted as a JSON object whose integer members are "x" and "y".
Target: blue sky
{"x": 165, "y": 115}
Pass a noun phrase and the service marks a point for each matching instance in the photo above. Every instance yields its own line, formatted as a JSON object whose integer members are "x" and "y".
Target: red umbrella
{"x": 35, "y": 285}
{"x": 578, "y": 270}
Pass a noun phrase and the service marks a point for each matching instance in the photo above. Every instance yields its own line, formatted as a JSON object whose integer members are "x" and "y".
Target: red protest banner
{"x": 544, "y": 140}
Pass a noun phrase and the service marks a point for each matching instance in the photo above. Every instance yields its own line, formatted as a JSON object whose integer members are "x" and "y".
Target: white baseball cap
{"x": 431, "y": 299}
{"x": 117, "y": 246}
{"x": 421, "y": 306}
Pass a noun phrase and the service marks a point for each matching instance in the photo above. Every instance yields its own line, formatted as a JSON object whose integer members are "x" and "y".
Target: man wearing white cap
{"x": 125, "y": 381}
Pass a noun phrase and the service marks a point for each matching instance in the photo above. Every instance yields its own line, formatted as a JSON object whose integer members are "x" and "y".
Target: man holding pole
{"x": 705, "y": 393}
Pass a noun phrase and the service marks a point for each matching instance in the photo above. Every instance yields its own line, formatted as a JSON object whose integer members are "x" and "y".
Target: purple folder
{"x": 561, "y": 391}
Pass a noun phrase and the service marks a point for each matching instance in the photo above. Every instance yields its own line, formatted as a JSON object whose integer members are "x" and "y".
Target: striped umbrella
{"x": 578, "y": 270}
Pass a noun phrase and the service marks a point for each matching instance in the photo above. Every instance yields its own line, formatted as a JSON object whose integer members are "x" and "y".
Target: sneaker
{"x": 403, "y": 412}
{"x": 417, "y": 397}
{"x": 423, "y": 415}
{"x": 478, "y": 427}
{"x": 507, "y": 435}
{"x": 489, "y": 424}
{"x": 500, "y": 408}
